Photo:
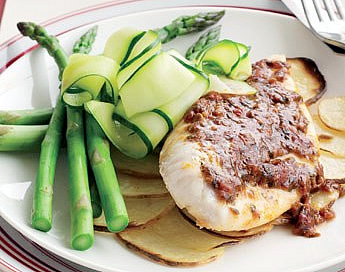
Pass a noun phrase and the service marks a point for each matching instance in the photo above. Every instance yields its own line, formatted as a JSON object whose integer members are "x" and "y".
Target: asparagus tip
{"x": 25, "y": 28}
{"x": 21, "y": 26}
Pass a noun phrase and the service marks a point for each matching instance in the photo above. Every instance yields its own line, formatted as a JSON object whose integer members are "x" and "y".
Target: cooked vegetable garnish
{"x": 333, "y": 166}
{"x": 227, "y": 58}
{"x": 142, "y": 168}
{"x": 95, "y": 199}
{"x": 50, "y": 147}
{"x": 308, "y": 79}
{"x": 323, "y": 199}
{"x": 188, "y": 24}
{"x": 26, "y": 117}
{"x": 141, "y": 211}
{"x": 21, "y": 137}
{"x": 82, "y": 234}
{"x": 85, "y": 42}
{"x": 330, "y": 140}
{"x": 143, "y": 92}
{"x": 84, "y": 77}
{"x": 174, "y": 241}
{"x": 332, "y": 112}
{"x": 99, "y": 154}
{"x": 149, "y": 108}
{"x": 206, "y": 40}
{"x": 122, "y": 134}
{"x": 141, "y": 52}
{"x": 141, "y": 187}
{"x": 118, "y": 43}
{"x": 235, "y": 234}
{"x": 224, "y": 84}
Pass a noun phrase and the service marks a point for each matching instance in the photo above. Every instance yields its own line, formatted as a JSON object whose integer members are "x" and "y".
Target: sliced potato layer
{"x": 140, "y": 211}
{"x": 309, "y": 81}
{"x": 233, "y": 234}
{"x": 330, "y": 140}
{"x": 332, "y": 112}
{"x": 322, "y": 199}
{"x": 247, "y": 233}
{"x": 174, "y": 241}
{"x": 142, "y": 168}
{"x": 139, "y": 187}
{"x": 333, "y": 166}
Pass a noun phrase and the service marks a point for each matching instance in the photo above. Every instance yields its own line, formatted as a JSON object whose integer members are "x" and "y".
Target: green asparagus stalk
{"x": 95, "y": 198}
{"x": 81, "y": 210}
{"x": 49, "y": 42}
{"x": 26, "y": 117}
{"x": 50, "y": 146}
{"x": 206, "y": 40}
{"x": 99, "y": 155}
{"x": 187, "y": 24}
{"x": 20, "y": 137}
{"x": 84, "y": 44}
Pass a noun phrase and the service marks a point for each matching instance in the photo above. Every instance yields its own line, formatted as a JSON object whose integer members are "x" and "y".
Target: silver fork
{"x": 327, "y": 20}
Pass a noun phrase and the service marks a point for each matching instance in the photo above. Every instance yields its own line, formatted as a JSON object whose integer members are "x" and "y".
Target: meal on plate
{"x": 209, "y": 148}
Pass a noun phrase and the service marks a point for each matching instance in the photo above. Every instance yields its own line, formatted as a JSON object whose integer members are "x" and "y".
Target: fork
{"x": 327, "y": 20}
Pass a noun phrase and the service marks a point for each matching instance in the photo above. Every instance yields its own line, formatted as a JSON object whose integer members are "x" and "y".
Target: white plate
{"x": 32, "y": 82}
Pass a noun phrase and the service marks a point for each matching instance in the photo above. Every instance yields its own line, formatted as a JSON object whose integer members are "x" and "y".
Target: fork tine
{"x": 330, "y": 8}
{"x": 323, "y": 15}
{"x": 310, "y": 12}
{"x": 341, "y": 8}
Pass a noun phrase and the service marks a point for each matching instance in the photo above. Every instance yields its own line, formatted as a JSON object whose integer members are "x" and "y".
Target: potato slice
{"x": 140, "y": 211}
{"x": 233, "y": 234}
{"x": 332, "y": 112}
{"x": 309, "y": 81}
{"x": 139, "y": 187}
{"x": 174, "y": 241}
{"x": 322, "y": 199}
{"x": 330, "y": 140}
{"x": 333, "y": 166}
{"x": 142, "y": 168}
{"x": 247, "y": 233}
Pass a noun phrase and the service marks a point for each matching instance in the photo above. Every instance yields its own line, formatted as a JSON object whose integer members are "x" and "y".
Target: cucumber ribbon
{"x": 150, "y": 89}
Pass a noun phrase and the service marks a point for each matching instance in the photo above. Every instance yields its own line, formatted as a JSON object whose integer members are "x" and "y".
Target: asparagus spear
{"x": 187, "y": 24}
{"x": 20, "y": 137}
{"x": 49, "y": 42}
{"x": 81, "y": 211}
{"x": 50, "y": 146}
{"x": 82, "y": 234}
{"x": 95, "y": 199}
{"x": 206, "y": 40}
{"x": 84, "y": 44}
{"x": 26, "y": 117}
{"x": 101, "y": 163}
{"x": 99, "y": 155}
